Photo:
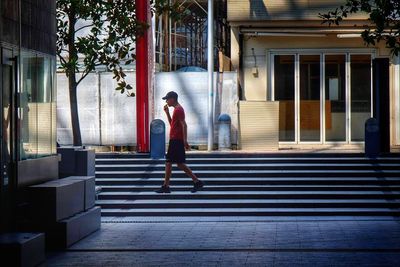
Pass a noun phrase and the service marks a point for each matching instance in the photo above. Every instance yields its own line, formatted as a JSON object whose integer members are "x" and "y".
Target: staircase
{"x": 252, "y": 185}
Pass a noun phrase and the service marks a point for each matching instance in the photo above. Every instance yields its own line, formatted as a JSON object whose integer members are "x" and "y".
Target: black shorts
{"x": 176, "y": 151}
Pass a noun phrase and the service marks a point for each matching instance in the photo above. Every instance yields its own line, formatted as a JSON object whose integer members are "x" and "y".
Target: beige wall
{"x": 240, "y": 10}
{"x": 235, "y": 50}
{"x": 295, "y": 17}
{"x": 394, "y": 75}
{"x": 255, "y": 87}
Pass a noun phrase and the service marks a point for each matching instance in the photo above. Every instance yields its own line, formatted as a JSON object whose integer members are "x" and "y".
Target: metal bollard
{"x": 224, "y": 132}
{"x": 157, "y": 139}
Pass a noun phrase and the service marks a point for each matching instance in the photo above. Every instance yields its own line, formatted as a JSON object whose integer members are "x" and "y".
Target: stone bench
{"x": 22, "y": 249}
{"x": 65, "y": 210}
{"x": 89, "y": 189}
{"x": 57, "y": 200}
{"x": 64, "y": 233}
{"x": 76, "y": 161}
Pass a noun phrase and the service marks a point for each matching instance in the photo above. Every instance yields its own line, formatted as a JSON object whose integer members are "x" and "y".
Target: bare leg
{"x": 168, "y": 170}
{"x": 188, "y": 171}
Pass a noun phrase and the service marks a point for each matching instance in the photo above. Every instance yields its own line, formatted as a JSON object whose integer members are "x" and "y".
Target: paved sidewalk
{"x": 250, "y": 241}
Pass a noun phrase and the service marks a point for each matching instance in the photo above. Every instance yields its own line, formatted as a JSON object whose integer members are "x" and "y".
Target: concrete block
{"x": 85, "y": 162}
{"x": 35, "y": 171}
{"x": 56, "y": 200}
{"x": 67, "y": 232}
{"x": 22, "y": 249}
{"x": 66, "y": 167}
{"x": 90, "y": 191}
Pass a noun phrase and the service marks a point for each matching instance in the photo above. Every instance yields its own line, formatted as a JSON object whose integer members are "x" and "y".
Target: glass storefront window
{"x": 44, "y": 86}
{"x": 360, "y": 94}
{"x": 54, "y": 109}
{"x": 28, "y": 107}
{"x": 37, "y": 111}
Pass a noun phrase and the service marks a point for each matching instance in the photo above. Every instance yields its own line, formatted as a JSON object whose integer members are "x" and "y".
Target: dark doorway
{"x": 381, "y": 101}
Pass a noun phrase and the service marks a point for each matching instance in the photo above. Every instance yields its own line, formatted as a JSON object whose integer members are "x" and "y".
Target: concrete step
{"x": 253, "y": 166}
{"x": 236, "y": 154}
{"x": 254, "y": 173}
{"x": 242, "y": 184}
{"x": 253, "y": 195}
{"x": 253, "y": 212}
{"x": 345, "y": 180}
{"x": 270, "y": 160}
{"x": 122, "y": 155}
{"x": 249, "y": 203}
{"x": 145, "y": 188}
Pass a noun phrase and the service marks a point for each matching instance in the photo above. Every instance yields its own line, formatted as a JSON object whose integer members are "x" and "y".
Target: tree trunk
{"x": 76, "y": 129}
{"x": 72, "y": 84}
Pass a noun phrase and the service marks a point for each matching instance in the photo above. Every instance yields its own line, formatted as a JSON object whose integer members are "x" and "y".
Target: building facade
{"x": 323, "y": 77}
{"x": 27, "y": 80}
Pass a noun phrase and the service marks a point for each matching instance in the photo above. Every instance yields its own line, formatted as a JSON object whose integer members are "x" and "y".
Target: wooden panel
{"x": 328, "y": 115}
{"x": 286, "y": 115}
{"x": 310, "y": 119}
{"x": 309, "y": 115}
{"x": 259, "y": 125}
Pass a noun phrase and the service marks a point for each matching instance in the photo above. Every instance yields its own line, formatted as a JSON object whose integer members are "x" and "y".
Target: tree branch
{"x": 65, "y": 50}
{"x": 82, "y": 77}
{"x": 62, "y": 59}
{"x": 86, "y": 73}
{"x": 83, "y": 27}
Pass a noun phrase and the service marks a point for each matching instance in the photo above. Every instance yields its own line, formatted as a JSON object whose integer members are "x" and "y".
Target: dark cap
{"x": 171, "y": 94}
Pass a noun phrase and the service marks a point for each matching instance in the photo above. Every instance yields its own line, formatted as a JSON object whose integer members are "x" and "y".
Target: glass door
{"x": 360, "y": 95}
{"x": 7, "y": 184}
{"x": 335, "y": 98}
{"x": 323, "y": 97}
{"x": 6, "y": 122}
{"x": 284, "y": 92}
{"x": 310, "y": 99}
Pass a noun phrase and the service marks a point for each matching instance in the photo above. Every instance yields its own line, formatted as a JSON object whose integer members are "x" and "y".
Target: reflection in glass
{"x": 53, "y": 109}
{"x": 284, "y": 93}
{"x": 335, "y": 98}
{"x": 6, "y": 122}
{"x": 28, "y": 107}
{"x": 44, "y": 87}
{"x": 360, "y": 94}
{"x": 310, "y": 118}
{"x": 37, "y": 107}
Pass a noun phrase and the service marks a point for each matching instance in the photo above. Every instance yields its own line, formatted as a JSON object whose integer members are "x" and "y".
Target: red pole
{"x": 142, "y": 85}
